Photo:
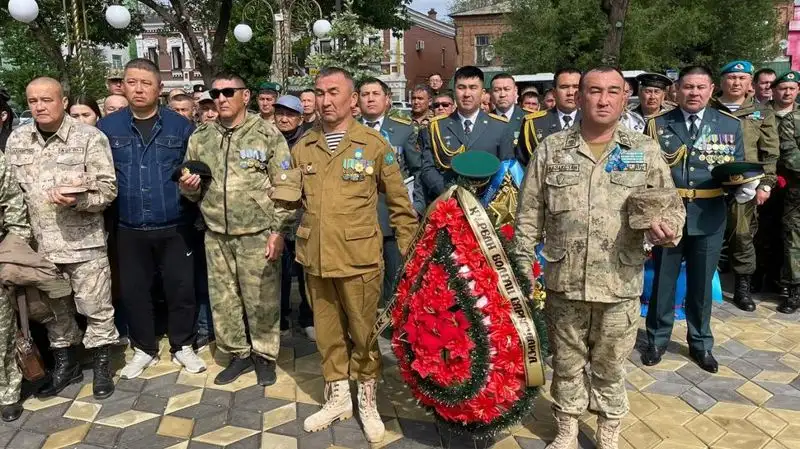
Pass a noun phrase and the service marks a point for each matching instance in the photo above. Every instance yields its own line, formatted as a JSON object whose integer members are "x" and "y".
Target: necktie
{"x": 467, "y": 127}
{"x": 372, "y": 124}
{"x": 567, "y": 119}
{"x": 693, "y": 127}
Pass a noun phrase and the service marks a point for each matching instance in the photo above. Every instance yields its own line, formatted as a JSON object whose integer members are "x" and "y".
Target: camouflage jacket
{"x": 789, "y": 131}
{"x": 578, "y": 206}
{"x": 12, "y": 203}
{"x": 75, "y": 152}
{"x": 243, "y": 161}
{"x": 760, "y": 132}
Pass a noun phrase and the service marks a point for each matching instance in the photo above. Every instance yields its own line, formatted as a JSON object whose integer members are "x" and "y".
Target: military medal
{"x": 702, "y": 157}
{"x": 359, "y": 167}
{"x": 369, "y": 170}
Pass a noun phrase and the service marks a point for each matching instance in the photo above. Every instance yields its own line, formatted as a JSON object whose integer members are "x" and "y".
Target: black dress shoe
{"x": 11, "y": 412}
{"x": 705, "y": 360}
{"x": 652, "y": 355}
{"x": 741, "y": 296}
{"x": 265, "y": 371}
{"x": 103, "y": 382}
{"x": 236, "y": 368}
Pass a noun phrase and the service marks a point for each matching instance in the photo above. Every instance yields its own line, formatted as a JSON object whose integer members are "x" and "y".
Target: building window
{"x": 177, "y": 58}
{"x": 152, "y": 54}
{"x": 325, "y": 46}
{"x": 374, "y": 42}
{"x": 116, "y": 61}
{"x": 481, "y": 43}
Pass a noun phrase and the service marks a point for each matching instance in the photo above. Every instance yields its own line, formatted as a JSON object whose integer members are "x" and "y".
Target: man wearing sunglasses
{"x": 247, "y": 157}
{"x": 443, "y": 104}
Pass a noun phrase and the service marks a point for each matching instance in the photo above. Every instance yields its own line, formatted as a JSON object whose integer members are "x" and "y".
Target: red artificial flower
{"x": 781, "y": 182}
{"x": 446, "y": 212}
{"x": 507, "y": 231}
{"x": 537, "y": 269}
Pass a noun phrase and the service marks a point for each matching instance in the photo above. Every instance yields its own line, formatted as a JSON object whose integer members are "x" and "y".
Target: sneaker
{"x": 265, "y": 370}
{"x": 140, "y": 362}
{"x": 310, "y": 333}
{"x": 236, "y": 368}
{"x": 189, "y": 360}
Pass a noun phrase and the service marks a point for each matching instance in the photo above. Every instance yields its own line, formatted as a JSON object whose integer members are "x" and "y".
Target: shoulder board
{"x": 534, "y": 115}
{"x": 402, "y": 120}
{"x": 439, "y": 117}
{"x": 498, "y": 117}
{"x": 728, "y": 114}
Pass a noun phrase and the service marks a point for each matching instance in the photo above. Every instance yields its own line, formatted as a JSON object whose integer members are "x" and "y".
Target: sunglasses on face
{"x": 228, "y": 92}
{"x": 442, "y": 105}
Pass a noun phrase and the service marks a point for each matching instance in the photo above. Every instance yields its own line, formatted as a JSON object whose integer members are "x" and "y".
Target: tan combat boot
{"x": 607, "y": 435}
{"x": 338, "y": 406}
{"x": 368, "y": 411}
{"x": 567, "y": 437}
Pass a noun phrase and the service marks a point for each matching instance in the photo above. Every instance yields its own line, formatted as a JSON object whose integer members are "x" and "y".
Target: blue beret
{"x": 737, "y": 67}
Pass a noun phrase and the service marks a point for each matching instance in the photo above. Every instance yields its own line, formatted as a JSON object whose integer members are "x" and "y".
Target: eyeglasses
{"x": 228, "y": 92}
{"x": 442, "y": 105}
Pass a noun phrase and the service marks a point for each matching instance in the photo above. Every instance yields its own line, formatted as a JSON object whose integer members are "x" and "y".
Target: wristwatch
{"x": 765, "y": 188}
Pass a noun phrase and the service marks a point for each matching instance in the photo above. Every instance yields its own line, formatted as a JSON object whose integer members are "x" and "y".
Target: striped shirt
{"x": 333, "y": 140}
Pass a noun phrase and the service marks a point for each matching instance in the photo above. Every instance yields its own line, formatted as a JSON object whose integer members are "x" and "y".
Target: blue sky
{"x": 424, "y": 5}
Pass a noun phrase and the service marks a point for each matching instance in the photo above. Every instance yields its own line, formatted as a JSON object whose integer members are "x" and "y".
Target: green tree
{"x": 350, "y": 49}
{"x": 659, "y": 34}
{"x": 45, "y": 47}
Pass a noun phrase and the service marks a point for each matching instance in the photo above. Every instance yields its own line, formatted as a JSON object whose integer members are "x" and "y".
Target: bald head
{"x": 114, "y": 103}
{"x": 47, "y": 103}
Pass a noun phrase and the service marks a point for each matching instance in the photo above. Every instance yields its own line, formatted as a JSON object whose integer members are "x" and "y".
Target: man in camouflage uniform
{"x": 760, "y": 135}
{"x": 790, "y": 167}
{"x": 575, "y": 194}
{"x": 67, "y": 173}
{"x": 15, "y": 220}
{"x": 244, "y": 240}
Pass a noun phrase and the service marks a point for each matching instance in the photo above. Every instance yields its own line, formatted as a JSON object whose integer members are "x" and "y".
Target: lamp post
{"x": 282, "y": 15}
{"x": 26, "y": 11}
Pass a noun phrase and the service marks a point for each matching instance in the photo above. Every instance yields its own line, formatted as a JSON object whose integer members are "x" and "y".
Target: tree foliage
{"x": 40, "y": 48}
{"x": 351, "y": 49}
{"x": 659, "y": 34}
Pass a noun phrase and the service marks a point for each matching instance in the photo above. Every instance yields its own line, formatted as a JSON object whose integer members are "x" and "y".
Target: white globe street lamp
{"x": 321, "y": 28}
{"x": 118, "y": 16}
{"x": 243, "y": 32}
{"x": 25, "y": 11}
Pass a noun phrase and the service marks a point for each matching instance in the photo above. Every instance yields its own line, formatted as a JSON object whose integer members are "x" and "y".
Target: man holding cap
{"x": 760, "y": 134}
{"x": 289, "y": 120}
{"x": 268, "y": 92}
{"x": 249, "y": 159}
{"x": 652, "y": 91}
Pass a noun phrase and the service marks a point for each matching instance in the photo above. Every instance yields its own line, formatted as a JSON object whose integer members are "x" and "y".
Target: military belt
{"x": 692, "y": 194}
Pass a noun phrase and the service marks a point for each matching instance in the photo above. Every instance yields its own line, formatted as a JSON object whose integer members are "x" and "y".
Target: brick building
{"x": 170, "y": 52}
{"x": 477, "y": 31}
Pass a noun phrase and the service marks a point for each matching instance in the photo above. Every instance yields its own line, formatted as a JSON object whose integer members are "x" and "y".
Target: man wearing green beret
{"x": 268, "y": 92}
{"x": 789, "y": 131}
{"x": 784, "y": 94}
{"x": 760, "y": 135}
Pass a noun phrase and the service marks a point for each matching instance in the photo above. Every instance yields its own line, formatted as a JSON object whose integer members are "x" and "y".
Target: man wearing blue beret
{"x": 761, "y": 144}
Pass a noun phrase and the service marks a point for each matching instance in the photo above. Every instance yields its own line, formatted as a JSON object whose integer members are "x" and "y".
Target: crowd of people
{"x": 190, "y": 219}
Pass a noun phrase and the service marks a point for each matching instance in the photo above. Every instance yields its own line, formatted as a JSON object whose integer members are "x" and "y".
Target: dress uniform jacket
{"x": 445, "y": 138}
{"x": 693, "y": 161}
{"x": 535, "y": 127}
{"x": 760, "y": 133}
{"x": 580, "y": 205}
{"x": 340, "y": 190}
{"x": 401, "y": 136}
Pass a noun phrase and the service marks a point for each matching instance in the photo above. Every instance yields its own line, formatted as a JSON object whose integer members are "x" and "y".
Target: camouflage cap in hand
{"x": 649, "y": 206}
{"x": 287, "y": 186}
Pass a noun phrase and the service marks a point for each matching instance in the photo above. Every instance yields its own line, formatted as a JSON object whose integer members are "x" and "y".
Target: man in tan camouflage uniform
{"x": 15, "y": 220}
{"x": 66, "y": 171}
{"x": 574, "y": 197}
{"x": 244, "y": 241}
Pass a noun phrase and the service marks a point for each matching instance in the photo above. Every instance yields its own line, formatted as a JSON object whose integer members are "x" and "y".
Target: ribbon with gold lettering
{"x": 508, "y": 286}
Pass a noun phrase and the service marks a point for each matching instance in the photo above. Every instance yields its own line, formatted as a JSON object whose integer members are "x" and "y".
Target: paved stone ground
{"x": 754, "y": 402}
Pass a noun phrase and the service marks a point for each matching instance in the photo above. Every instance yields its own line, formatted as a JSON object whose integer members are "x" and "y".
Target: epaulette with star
{"x": 502, "y": 118}
{"x": 401, "y": 120}
{"x": 534, "y": 115}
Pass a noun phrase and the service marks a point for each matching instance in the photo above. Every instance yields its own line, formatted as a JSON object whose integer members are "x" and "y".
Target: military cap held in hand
{"x": 649, "y": 206}
{"x": 738, "y": 173}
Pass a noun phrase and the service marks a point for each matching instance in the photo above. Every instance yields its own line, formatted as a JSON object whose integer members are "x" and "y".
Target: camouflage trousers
{"x": 600, "y": 335}
{"x": 10, "y": 375}
{"x": 91, "y": 291}
{"x": 791, "y": 234}
{"x": 742, "y": 225}
{"x": 243, "y": 285}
